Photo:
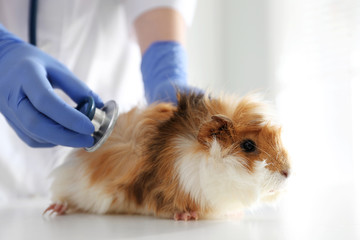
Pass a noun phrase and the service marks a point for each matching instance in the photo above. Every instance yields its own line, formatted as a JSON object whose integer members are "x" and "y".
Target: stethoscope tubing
{"x": 33, "y": 21}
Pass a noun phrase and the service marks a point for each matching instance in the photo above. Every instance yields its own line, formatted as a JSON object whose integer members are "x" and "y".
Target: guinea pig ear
{"x": 219, "y": 127}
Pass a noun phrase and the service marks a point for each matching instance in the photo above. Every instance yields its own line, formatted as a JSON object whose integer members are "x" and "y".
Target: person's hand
{"x": 164, "y": 70}
{"x": 28, "y": 102}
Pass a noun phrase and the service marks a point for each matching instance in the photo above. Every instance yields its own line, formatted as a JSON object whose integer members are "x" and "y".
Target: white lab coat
{"x": 94, "y": 38}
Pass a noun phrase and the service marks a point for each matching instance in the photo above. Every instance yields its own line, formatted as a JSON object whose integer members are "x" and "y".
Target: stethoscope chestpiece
{"x": 103, "y": 119}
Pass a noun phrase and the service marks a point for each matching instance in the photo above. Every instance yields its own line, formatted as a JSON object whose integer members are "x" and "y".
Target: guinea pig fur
{"x": 204, "y": 158}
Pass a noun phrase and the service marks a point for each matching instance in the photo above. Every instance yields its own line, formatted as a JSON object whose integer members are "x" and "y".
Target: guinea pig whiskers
{"x": 272, "y": 180}
{"x": 262, "y": 150}
{"x": 275, "y": 150}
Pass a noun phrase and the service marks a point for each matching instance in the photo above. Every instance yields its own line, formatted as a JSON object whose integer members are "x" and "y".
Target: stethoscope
{"x": 103, "y": 119}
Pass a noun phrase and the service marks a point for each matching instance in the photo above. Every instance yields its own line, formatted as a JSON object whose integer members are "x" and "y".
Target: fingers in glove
{"x": 64, "y": 79}
{"x": 43, "y": 98}
{"x": 38, "y": 125}
{"x": 28, "y": 140}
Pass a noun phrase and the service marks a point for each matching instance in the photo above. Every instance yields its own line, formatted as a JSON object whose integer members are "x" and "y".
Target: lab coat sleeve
{"x": 134, "y": 8}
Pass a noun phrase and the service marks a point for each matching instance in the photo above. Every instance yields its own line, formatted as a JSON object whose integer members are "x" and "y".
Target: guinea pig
{"x": 204, "y": 158}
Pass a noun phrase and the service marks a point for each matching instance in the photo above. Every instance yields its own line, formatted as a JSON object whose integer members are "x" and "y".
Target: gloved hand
{"x": 28, "y": 102}
{"x": 164, "y": 71}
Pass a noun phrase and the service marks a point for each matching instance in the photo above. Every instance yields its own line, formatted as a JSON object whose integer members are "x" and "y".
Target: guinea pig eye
{"x": 248, "y": 146}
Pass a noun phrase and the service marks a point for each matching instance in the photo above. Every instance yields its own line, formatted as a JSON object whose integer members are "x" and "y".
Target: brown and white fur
{"x": 186, "y": 162}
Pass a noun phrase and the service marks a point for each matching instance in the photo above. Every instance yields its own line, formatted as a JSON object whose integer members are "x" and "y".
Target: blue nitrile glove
{"x": 164, "y": 70}
{"x": 28, "y": 102}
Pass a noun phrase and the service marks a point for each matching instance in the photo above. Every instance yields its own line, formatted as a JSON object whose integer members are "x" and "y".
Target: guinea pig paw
{"x": 186, "y": 216}
{"x": 58, "y": 208}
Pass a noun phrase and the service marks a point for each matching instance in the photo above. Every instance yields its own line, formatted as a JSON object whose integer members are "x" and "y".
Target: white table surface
{"x": 331, "y": 213}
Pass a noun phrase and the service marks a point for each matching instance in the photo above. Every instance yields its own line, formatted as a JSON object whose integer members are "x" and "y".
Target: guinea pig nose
{"x": 285, "y": 173}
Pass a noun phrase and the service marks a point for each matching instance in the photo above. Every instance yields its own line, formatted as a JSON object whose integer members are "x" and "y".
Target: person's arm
{"x": 161, "y": 24}
{"x": 28, "y": 102}
{"x": 161, "y": 34}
